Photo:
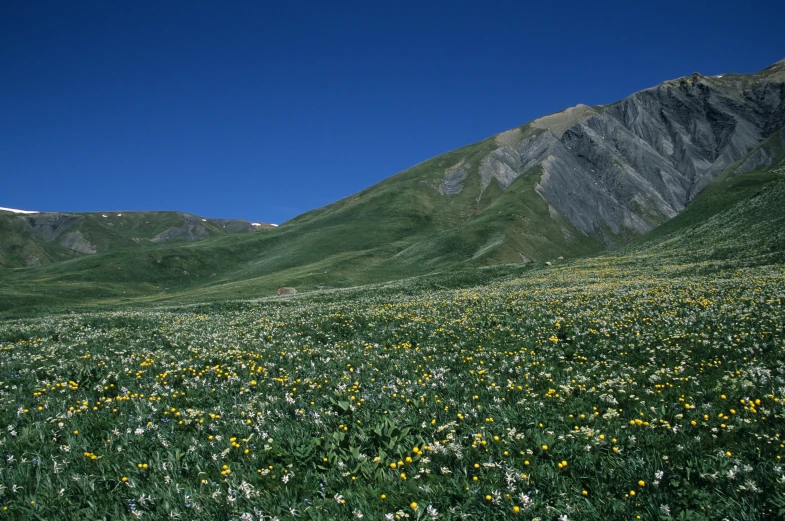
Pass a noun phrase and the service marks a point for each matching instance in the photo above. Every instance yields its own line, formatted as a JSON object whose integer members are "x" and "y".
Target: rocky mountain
{"x": 630, "y": 166}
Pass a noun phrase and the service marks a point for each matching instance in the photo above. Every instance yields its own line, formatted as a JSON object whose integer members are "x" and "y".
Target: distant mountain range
{"x": 31, "y": 238}
{"x": 566, "y": 185}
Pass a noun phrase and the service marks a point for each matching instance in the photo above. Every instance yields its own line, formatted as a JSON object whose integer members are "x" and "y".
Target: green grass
{"x": 299, "y": 407}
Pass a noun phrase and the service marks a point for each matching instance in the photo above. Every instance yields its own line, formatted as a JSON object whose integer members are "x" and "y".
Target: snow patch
{"x": 14, "y": 210}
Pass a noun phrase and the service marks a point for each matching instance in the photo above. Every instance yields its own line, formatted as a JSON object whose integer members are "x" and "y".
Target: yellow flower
{"x": 632, "y": 492}
{"x": 544, "y": 447}
{"x": 516, "y": 509}
{"x": 641, "y": 483}
{"x": 413, "y": 505}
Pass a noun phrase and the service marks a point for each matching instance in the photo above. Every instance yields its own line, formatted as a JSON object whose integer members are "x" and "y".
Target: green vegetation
{"x": 645, "y": 382}
{"x": 594, "y": 390}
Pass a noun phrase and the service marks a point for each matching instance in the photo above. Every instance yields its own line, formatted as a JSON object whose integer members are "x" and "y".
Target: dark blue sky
{"x": 264, "y": 110}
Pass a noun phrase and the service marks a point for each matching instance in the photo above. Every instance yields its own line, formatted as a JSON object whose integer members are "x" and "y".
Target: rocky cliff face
{"x": 628, "y": 167}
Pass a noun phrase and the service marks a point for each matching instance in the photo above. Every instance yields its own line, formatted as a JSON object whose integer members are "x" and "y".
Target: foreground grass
{"x": 589, "y": 391}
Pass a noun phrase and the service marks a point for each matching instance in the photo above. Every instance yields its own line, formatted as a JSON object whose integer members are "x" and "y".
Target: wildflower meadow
{"x": 583, "y": 392}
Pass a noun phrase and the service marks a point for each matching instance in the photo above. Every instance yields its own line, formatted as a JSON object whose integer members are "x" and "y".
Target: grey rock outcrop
{"x": 453, "y": 179}
{"x": 757, "y": 159}
{"x": 627, "y": 167}
{"x": 47, "y": 226}
{"x": 77, "y": 242}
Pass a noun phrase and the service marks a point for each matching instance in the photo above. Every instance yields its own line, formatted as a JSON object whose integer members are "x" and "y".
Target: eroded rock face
{"x": 757, "y": 159}
{"x": 453, "y": 182}
{"x": 77, "y": 242}
{"x": 454, "y": 178}
{"x": 47, "y": 226}
{"x": 639, "y": 162}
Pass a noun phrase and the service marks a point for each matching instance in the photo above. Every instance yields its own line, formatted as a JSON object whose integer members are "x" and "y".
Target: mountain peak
{"x": 559, "y": 122}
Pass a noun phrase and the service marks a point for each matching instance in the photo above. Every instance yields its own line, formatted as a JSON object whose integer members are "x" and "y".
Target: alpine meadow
{"x": 582, "y": 318}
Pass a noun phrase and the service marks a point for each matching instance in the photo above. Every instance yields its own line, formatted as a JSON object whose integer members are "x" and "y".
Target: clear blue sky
{"x": 264, "y": 110}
